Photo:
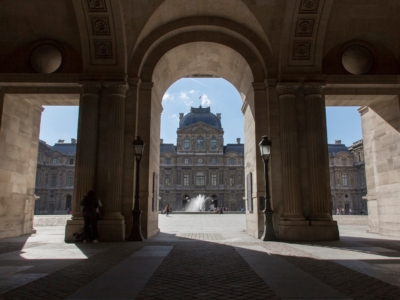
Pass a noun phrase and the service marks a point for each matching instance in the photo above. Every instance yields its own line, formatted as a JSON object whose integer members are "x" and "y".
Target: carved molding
{"x": 286, "y": 89}
{"x": 91, "y": 88}
{"x": 313, "y": 89}
{"x": 302, "y": 50}
{"x": 305, "y": 27}
{"x": 97, "y": 5}
{"x": 103, "y": 49}
{"x": 308, "y": 6}
{"x": 100, "y": 25}
{"x": 117, "y": 89}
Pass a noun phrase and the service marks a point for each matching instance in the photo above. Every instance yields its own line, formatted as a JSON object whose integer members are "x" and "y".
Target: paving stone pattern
{"x": 351, "y": 283}
{"x": 6, "y": 247}
{"x": 201, "y": 270}
{"x": 202, "y": 236}
{"x": 63, "y": 283}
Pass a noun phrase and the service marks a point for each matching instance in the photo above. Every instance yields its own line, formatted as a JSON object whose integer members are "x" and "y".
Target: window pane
{"x": 200, "y": 144}
{"x": 186, "y": 144}
{"x": 213, "y": 143}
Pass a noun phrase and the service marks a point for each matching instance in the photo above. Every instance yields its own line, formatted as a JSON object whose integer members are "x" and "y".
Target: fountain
{"x": 198, "y": 203}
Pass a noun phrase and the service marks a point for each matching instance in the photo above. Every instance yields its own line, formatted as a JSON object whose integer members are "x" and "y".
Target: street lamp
{"x": 136, "y": 232}
{"x": 265, "y": 149}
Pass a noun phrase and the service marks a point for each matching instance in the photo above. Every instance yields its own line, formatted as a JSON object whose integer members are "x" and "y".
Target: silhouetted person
{"x": 89, "y": 206}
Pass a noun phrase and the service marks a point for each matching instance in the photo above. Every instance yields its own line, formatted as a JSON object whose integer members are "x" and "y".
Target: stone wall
{"x": 19, "y": 136}
{"x": 380, "y": 124}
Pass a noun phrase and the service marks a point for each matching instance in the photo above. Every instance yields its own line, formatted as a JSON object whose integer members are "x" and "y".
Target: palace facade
{"x": 200, "y": 164}
{"x": 55, "y": 177}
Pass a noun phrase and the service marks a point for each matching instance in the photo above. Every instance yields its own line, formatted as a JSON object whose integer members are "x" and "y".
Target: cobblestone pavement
{"x": 62, "y": 283}
{"x": 200, "y": 270}
{"x": 345, "y": 280}
{"x": 203, "y": 263}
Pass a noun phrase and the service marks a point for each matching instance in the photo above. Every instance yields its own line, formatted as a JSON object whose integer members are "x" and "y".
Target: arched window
{"x": 200, "y": 179}
{"x": 186, "y": 143}
{"x": 213, "y": 143}
{"x": 68, "y": 202}
{"x": 200, "y": 143}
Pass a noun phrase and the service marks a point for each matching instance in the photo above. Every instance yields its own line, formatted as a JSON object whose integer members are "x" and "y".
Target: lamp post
{"x": 136, "y": 231}
{"x": 265, "y": 149}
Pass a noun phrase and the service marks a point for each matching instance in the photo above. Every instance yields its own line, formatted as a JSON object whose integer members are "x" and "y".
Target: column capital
{"x": 91, "y": 88}
{"x": 313, "y": 89}
{"x": 146, "y": 86}
{"x": 116, "y": 88}
{"x": 287, "y": 88}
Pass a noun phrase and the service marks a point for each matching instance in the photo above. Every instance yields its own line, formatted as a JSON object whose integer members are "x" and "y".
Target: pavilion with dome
{"x": 200, "y": 164}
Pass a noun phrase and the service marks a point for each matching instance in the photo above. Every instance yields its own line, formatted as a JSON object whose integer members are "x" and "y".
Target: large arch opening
{"x": 201, "y": 151}
{"x": 185, "y": 57}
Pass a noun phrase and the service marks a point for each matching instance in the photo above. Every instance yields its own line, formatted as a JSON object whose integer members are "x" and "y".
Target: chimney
{"x": 161, "y": 141}
{"x": 338, "y": 141}
{"x": 61, "y": 141}
{"x": 180, "y": 116}
{"x": 73, "y": 141}
{"x": 238, "y": 140}
{"x": 219, "y": 116}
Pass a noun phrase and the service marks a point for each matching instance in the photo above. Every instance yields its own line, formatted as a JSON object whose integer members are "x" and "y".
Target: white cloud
{"x": 175, "y": 117}
{"x": 167, "y": 97}
{"x": 192, "y": 91}
{"x": 205, "y": 101}
{"x": 186, "y": 100}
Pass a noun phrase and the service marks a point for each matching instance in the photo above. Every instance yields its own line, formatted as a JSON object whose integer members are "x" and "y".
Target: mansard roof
{"x": 167, "y": 148}
{"x": 65, "y": 148}
{"x": 336, "y": 148}
{"x": 239, "y": 148}
{"x": 200, "y": 115}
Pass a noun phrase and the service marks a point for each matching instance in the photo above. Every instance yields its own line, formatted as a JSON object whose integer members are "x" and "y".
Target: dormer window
{"x": 200, "y": 143}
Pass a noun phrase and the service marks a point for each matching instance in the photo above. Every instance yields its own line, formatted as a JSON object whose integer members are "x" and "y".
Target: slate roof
{"x": 239, "y": 148}
{"x": 336, "y": 148}
{"x": 200, "y": 115}
{"x": 65, "y": 148}
{"x": 167, "y": 148}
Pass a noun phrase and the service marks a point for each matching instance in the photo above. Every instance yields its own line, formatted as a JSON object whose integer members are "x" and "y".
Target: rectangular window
{"x": 186, "y": 144}
{"x": 186, "y": 161}
{"x": 186, "y": 179}
{"x": 232, "y": 161}
{"x": 54, "y": 161}
{"x": 71, "y": 161}
{"x": 168, "y": 161}
{"x": 70, "y": 180}
{"x": 213, "y": 161}
{"x": 214, "y": 180}
{"x": 344, "y": 180}
{"x": 200, "y": 180}
{"x": 167, "y": 180}
{"x": 53, "y": 180}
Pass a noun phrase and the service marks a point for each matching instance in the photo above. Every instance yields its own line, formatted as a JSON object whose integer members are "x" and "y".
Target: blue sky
{"x": 343, "y": 123}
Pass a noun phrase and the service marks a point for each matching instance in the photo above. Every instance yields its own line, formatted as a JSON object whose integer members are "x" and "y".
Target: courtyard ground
{"x": 202, "y": 256}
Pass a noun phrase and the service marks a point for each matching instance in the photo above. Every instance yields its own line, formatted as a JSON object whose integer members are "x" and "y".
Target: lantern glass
{"x": 265, "y": 147}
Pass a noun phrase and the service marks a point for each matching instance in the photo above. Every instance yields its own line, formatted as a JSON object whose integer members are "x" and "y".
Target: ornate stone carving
{"x": 301, "y": 50}
{"x": 91, "y": 88}
{"x": 117, "y": 89}
{"x": 304, "y": 27}
{"x": 308, "y": 6}
{"x": 313, "y": 89}
{"x": 100, "y": 25}
{"x": 286, "y": 89}
{"x": 97, "y": 5}
{"x": 103, "y": 49}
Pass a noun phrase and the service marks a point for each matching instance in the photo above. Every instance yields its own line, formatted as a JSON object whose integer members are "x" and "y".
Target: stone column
{"x": 292, "y": 208}
{"x": 86, "y": 148}
{"x": 317, "y": 153}
{"x": 111, "y": 146}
